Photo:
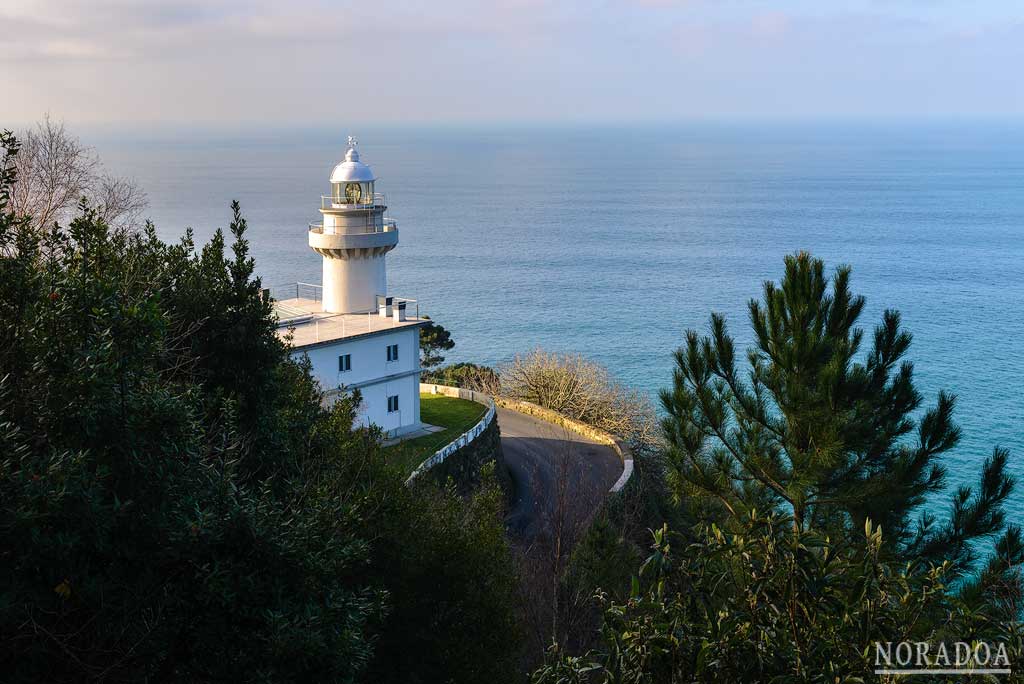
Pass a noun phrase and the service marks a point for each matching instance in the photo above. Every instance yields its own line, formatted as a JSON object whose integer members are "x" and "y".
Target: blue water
{"x": 613, "y": 241}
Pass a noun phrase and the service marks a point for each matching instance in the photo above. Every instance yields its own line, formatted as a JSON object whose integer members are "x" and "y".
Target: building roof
{"x": 311, "y": 326}
{"x": 351, "y": 170}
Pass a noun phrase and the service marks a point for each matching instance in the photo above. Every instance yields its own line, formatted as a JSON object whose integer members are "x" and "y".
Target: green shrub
{"x": 176, "y": 504}
{"x": 467, "y": 375}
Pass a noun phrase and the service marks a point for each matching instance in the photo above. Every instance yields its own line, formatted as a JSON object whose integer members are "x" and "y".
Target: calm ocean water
{"x": 614, "y": 241}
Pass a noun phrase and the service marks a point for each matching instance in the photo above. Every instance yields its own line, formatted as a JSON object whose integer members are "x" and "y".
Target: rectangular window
{"x": 344, "y": 363}
{"x": 392, "y": 403}
{"x": 392, "y": 352}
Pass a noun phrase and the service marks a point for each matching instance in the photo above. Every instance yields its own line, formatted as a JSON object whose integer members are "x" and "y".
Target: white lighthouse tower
{"x": 356, "y": 335}
{"x": 353, "y": 238}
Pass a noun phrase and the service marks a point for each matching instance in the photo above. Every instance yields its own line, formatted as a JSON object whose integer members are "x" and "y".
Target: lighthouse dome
{"x": 352, "y": 170}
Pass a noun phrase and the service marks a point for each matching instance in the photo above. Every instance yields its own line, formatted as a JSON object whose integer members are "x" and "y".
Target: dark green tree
{"x": 177, "y": 504}
{"x": 434, "y": 339}
{"x": 452, "y": 589}
{"x": 468, "y": 375}
{"x": 804, "y": 478}
{"x": 765, "y": 603}
{"x": 824, "y": 433}
{"x": 137, "y": 541}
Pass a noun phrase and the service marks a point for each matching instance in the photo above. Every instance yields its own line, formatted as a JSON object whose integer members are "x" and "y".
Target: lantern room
{"x": 352, "y": 180}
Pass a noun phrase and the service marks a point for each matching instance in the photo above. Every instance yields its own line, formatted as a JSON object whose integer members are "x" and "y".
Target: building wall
{"x": 374, "y": 376}
{"x": 352, "y": 285}
{"x": 375, "y": 404}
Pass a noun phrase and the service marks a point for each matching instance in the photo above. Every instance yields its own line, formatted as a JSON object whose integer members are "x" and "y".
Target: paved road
{"x": 558, "y": 474}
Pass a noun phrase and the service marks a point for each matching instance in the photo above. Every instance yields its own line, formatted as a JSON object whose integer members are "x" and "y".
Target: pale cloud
{"x": 74, "y": 49}
{"x": 290, "y": 62}
{"x": 770, "y": 24}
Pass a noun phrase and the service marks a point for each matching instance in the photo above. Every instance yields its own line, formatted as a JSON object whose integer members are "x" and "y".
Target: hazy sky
{"x": 309, "y": 62}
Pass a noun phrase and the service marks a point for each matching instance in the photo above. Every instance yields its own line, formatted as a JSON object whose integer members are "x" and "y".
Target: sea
{"x": 612, "y": 241}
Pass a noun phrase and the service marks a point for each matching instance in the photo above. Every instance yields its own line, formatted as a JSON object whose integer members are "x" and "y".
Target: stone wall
{"x": 463, "y": 459}
{"x": 580, "y": 428}
{"x": 464, "y": 466}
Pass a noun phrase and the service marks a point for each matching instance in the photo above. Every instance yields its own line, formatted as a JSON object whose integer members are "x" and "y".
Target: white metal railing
{"x": 389, "y": 225}
{"x": 297, "y": 291}
{"x": 379, "y": 199}
{"x": 333, "y": 326}
{"x": 460, "y": 441}
{"x": 329, "y": 326}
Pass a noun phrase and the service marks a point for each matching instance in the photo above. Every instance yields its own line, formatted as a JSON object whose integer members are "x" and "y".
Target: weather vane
{"x": 352, "y": 142}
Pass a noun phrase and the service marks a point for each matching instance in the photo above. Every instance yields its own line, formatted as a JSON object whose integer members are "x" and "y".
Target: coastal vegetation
{"x": 581, "y": 389}
{"x": 55, "y": 170}
{"x": 434, "y": 339}
{"x": 803, "y": 483}
{"x": 454, "y": 415}
{"x": 467, "y": 375}
{"x": 178, "y": 504}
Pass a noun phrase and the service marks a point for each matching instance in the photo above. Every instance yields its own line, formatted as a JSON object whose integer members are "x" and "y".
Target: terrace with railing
{"x": 389, "y": 225}
{"x": 300, "y": 313}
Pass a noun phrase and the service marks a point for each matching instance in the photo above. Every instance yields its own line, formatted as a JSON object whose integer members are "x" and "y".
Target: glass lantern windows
{"x": 353, "y": 193}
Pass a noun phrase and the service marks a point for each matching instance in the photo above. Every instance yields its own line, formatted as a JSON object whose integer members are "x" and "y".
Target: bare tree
{"x": 553, "y": 610}
{"x": 581, "y": 389}
{"x": 483, "y": 379}
{"x": 56, "y": 171}
{"x": 558, "y": 587}
{"x": 120, "y": 201}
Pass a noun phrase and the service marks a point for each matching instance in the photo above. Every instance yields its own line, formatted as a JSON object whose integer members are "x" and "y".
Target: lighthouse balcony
{"x": 377, "y": 238}
{"x": 387, "y": 225}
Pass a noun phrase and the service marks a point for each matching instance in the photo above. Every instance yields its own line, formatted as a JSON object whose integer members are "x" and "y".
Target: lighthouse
{"x": 354, "y": 238}
{"x": 354, "y": 333}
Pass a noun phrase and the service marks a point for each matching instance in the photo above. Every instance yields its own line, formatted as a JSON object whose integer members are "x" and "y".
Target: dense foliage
{"x": 434, "y": 339}
{"x": 802, "y": 485}
{"x": 468, "y": 375}
{"x": 830, "y": 440}
{"x": 452, "y": 617}
{"x": 767, "y": 604}
{"x": 177, "y": 504}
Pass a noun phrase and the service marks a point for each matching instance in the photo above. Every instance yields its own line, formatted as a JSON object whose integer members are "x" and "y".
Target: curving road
{"x": 560, "y": 476}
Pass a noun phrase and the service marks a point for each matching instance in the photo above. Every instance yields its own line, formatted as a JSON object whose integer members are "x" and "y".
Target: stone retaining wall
{"x": 463, "y": 457}
{"x": 580, "y": 428}
{"x": 489, "y": 448}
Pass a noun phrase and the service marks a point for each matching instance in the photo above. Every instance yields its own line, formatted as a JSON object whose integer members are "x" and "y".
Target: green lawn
{"x": 454, "y": 415}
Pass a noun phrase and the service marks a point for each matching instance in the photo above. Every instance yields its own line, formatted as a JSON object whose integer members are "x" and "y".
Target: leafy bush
{"x": 176, "y": 504}
{"x": 466, "y": 375}
{"x": 762, "y": 604}
{"x": 799, "y": 484}
{"x": 452, "y": 587}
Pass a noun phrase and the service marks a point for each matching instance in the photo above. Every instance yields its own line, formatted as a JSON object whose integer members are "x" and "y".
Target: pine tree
{"x": 818, "y": 432}
{"x": 434, "y": 339}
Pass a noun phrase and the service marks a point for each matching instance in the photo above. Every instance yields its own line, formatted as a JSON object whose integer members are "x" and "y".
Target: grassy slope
{"x": 455, "y": 415}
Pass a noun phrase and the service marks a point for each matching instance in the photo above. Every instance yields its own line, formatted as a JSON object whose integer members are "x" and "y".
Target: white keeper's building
{"x": 355, "y": 334}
